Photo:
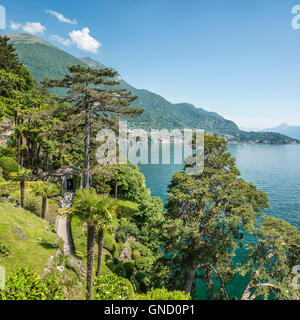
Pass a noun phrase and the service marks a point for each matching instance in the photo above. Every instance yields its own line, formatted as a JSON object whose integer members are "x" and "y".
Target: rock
{"x": 125, "y": 254}
{"x": 20, "y": 233}
{"x": 78, "y": 266}
{"x": 60, "y": 268}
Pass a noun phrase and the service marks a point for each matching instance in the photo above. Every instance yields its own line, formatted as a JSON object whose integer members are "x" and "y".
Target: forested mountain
{"x": 47, "y": 61}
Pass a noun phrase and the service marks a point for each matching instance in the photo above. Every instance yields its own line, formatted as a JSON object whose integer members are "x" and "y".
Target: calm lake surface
{"x": 273, "y": 169}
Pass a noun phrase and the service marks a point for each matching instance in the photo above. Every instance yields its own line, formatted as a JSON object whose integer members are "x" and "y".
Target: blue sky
{"x": 238, "y": 58}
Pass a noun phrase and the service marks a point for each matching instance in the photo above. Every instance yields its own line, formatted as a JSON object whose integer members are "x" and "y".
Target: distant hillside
{"x": 291, "y": 131}
{"x": 46, "y": 61}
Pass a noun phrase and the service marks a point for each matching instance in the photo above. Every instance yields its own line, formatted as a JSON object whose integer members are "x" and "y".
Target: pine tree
{"x": 92, "y": 96}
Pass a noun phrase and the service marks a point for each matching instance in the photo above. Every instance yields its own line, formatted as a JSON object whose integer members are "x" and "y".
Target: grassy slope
{"x": 36, "y": 250}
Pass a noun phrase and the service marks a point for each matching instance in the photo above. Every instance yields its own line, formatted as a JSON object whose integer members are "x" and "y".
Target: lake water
{"x": 273, "y": 169}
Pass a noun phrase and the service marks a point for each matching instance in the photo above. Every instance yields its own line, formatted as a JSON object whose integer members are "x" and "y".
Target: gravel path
{"x": 63, "y": 226}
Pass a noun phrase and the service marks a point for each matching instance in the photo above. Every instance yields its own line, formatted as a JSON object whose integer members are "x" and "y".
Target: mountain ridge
{"x": 47, "y": 61}
{"x": 284, "y": 128}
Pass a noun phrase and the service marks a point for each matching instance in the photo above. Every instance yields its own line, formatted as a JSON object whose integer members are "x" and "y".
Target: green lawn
{"x": 33, "y": 252}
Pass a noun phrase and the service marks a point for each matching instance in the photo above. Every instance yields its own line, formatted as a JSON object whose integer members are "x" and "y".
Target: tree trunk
{"x": 90, "y": 260}
{"x": 189, "y": 278}
{"x": 100, "y": 248}
{"x": 19, "y": 149}
{"x": 44, "y": 207}
{"x": 22, "y": 187}
{"x": 87, "y": 153}
{"x": 116, "y": 189}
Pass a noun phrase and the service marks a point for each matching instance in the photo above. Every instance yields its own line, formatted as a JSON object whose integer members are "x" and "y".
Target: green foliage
{"x": 25, "y": 284}
{"x": 129, "y": 268}
{"x": 9, "y": 165}
{"x": 110, "y": 243}
{"x": 163, "y": 294}
{"x": 5, "y": 251}
{"x": 120, "y": 270}
{"x": 135, "y": 255}
{"x": 47, "y": 61}
{"x": 77, "y": 181}
{"x": 32, "y": 202}
{"x": 8, "y": 188}
{"x": 268, "y": 264}
{"x": 144, "y": 263}
{"x": 112, "y": 287}
{"x": 207, "y": 217}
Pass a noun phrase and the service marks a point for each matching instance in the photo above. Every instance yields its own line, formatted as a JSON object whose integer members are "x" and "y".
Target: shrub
{"x": 140, "y": 276}
{"x": 110, "y": 243}
{"x": 163, "y": 294}
{"x": 112, "y": 287}
{"x": 142, "y": 280}
{"x": 4, "y": 251}
{"x": 25, "y": 284}
{"x": 129, "y": 268}
{"x": 8, "y": 188}
{"x": 135, "y": 255}
{"x": 144, "y": 264}
{"x": 32, "y": 203}
{"x": 120, "y": 270}
{"x": 9, "y": 165}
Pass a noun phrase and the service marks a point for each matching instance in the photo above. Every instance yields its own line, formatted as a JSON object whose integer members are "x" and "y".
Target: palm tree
{"x": 86, "y": 208}
{"x": 98, "y": 211}
{"x": 21, "y": 175}
{"x": 45, "y": 190}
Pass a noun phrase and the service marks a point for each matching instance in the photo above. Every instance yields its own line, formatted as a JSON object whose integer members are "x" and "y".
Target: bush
{"x": 129, "y": 268}
{"x": 110, "y": 243}
{"x": 142, "y": 280}
{"x": 32, "y": 202}
{"x": 135, "y": 255}
{"x": 120, "y": 270}
{"x": 25, "y": 284}
{"x": 163, "y": 294}
{"x": 140, "y": 276}
{"x": 7, "y": 188}
{"x": 144, "y": 264}
{"x": 112, "y": 287}
{"x": 9, "y": 165}
{"x": 4, "y": 251}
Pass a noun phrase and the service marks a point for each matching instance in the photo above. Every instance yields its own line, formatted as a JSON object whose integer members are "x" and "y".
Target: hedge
{"x": 7, "y": 188}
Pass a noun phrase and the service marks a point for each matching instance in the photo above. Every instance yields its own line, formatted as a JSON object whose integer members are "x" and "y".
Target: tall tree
{"x": 207, "y": 216}
{"x": 92, "y": 96}
{"x": 269, "y": 261}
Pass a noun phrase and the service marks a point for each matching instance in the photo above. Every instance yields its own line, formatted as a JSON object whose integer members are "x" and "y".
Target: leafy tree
{"x": 207, "y": 216}
{"x": 45, "y": 190}
{"x": 269, "y": 261}
{"x": 91, "y": 96}
{"x": 13, "y": 75}
{"x": 8, "y": 58}
{"x": 22, "y": 175}
{"x": 97, "y": 211}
